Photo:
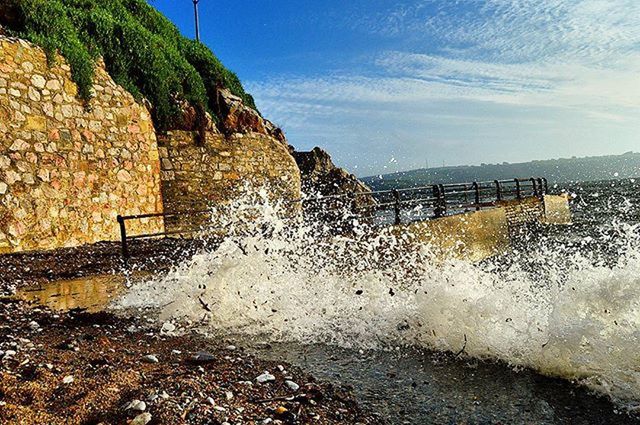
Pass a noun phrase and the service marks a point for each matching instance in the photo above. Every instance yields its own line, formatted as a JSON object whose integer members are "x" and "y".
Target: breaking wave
{"x": 566, "y": 306}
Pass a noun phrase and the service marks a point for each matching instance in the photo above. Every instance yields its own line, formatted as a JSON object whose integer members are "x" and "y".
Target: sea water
{"x": 565, "y": 303}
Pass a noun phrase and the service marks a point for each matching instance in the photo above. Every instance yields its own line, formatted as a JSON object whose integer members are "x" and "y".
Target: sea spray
{"x": 559, "y": 306}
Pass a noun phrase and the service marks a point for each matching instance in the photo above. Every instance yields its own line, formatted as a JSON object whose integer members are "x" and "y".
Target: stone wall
{"x": 66, "y": 169}
{"x": 197, "y": 175}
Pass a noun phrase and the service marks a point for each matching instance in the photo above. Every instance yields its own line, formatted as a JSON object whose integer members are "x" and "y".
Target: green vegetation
{"x": 143, "y": 51}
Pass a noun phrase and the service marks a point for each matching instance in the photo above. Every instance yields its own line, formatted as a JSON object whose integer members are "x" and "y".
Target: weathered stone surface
{"x": 67, "y": 170}
{"x": 55, "y": 189}
{"x": 38, "y": 81}
{"x": 235, "y": 116}
{"x": 218, "y": 170}
{"x": 320, "y": 174}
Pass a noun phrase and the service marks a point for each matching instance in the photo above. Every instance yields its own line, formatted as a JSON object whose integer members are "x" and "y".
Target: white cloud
{"x": 545, "y": 72}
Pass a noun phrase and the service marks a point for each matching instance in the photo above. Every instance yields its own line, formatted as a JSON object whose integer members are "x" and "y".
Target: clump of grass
{"x": 143, "y": 51}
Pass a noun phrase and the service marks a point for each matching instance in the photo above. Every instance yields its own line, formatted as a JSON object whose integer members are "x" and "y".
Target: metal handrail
{"x": 439, "y": 202}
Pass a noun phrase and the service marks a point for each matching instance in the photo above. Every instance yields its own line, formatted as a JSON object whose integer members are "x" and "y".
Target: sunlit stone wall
{"x": 196, "y": 175}
{"x": 66, "y": 169}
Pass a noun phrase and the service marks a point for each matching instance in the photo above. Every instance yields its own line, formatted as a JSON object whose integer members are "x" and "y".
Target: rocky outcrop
{"x": 320, "y": 176}
{"x": 236, "y": 117}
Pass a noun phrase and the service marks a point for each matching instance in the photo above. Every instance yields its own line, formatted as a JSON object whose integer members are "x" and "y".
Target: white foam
{"x": 572, "y": 316}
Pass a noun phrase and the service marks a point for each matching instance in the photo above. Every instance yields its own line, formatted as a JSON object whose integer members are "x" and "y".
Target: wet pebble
{"x": 141, "y": 419}
{"x": 292, "y": 385}
{"x": 203, "y": 357}
{"x": 265, "y": 377}
{"x": 150, "y": 358}
{"x": 167, "y": 328}
{"x": 137, "y": 405}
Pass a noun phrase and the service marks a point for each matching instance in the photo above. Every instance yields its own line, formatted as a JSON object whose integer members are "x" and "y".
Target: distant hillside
{"x": 555, "y": 170}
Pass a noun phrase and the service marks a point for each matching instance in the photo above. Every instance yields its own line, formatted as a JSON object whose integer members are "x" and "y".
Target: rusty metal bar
{"x": 476, "y": 190}
{"x": 123, "y": 240}
{"x": 397, "y": 207}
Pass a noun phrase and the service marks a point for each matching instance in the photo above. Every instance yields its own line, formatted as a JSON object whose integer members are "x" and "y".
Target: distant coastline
{"x": 563, "y": 170}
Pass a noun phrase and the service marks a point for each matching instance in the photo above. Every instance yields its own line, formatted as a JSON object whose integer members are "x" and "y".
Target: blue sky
{"x": 389, "y": 85}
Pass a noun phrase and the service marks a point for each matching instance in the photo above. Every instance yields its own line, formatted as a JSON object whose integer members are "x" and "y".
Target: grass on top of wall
{"x": 143, "y": 51}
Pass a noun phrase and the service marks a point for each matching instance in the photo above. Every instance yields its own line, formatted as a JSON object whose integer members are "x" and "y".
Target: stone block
{"x": 36, "y": 123}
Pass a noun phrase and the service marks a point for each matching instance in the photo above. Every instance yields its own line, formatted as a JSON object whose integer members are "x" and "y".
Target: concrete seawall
{"x": 478, "y": 235}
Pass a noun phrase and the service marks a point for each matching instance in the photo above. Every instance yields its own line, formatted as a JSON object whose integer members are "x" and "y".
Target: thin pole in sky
{"x": 195, "y": 11}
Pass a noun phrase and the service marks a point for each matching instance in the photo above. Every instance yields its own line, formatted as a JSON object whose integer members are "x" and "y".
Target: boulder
{"x": 320, "y": 176}
{"x": 235, "y": 116}
{"x": 192, "y": 118}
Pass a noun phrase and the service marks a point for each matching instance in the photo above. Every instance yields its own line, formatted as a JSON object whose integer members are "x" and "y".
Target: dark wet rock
{"x": 321, "y": 177}
{"x": 203, "y": 357}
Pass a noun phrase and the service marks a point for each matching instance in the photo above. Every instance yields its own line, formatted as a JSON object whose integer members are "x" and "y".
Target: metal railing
{"x": 404, "y": 205}
{"x": 125, "y": 238}
{"x": 431, "y": 201}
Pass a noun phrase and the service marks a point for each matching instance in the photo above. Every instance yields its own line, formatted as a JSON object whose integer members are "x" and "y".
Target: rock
{"x": 265, "y": 377}
{"x": 67, "y": 379}
{"x": 230, "y": 347}
{"x": 292, "y": 385}
{"x": 203, "y": 357}
{"x": 192, "y": 119}
{"x": 211, "y": 401}
{"x": 320, "y": 176}
{"x": 124, "y": 176}
{"x": 275, "y": 132}
{"x": 167, "y": 327}
{"x": 3, "y": 188}
{"x": 228, "y": 395}
{"x": 38, "y": 81}
{"x": 141, "y": 419}
{"x": 34, "y": 325}
{"x": 137, "y": 405}
{"x": 235, "y": 116}
{"x": 150, "y": 358}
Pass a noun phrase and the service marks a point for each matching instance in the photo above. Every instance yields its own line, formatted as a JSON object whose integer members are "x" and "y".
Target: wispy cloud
{"x": 544, "y": 73}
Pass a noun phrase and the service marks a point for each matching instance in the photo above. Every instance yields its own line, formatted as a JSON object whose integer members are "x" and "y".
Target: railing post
{"x": 476, "y": 191}
{"x": 518, "y": 189}
{"x": 498, "y": 190}
{"x": 546, "y": 185}
{"x": 440, "y": 206}
{"x": 535, "y": 186}
{"x": 123, "y": 239}
{"x": 443, "y": 200}
{"x": 541, "y": 187}
{"x": 396, "y": 207}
